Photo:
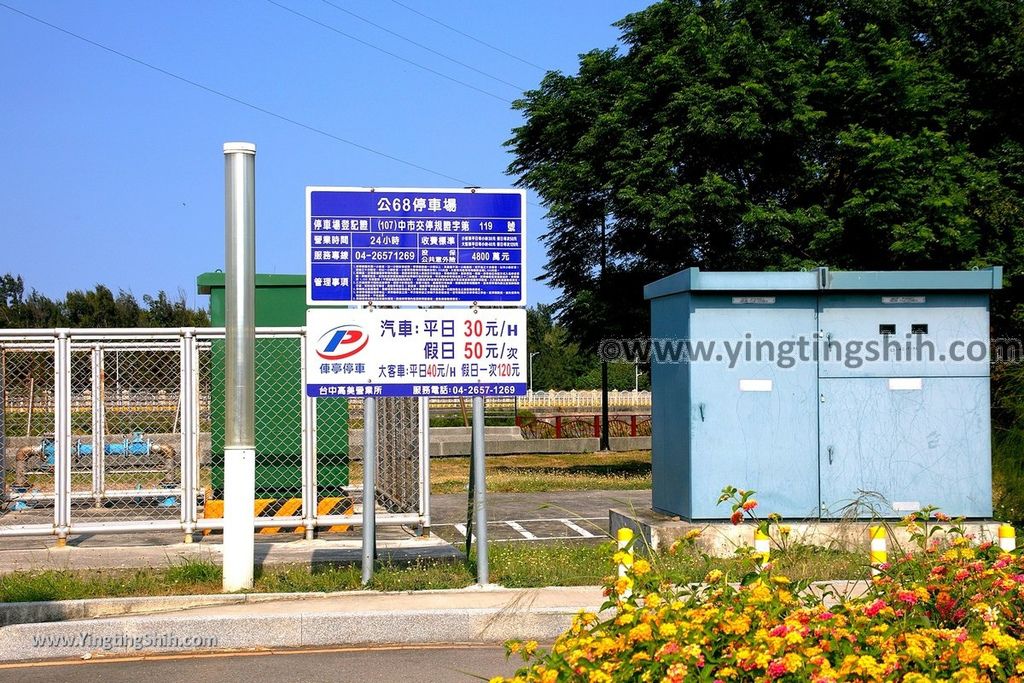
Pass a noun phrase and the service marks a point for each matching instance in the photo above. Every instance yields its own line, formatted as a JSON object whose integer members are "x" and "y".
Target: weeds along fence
{"x": 110, "y": 431}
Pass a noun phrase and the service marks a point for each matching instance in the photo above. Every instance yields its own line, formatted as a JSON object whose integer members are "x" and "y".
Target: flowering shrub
{"x": 951, "y": 611}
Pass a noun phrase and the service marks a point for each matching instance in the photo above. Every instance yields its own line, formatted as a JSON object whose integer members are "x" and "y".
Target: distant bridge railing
{"x": 583, "y": 426}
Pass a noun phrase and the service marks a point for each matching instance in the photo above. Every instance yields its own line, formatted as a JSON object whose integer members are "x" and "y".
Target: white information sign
{"x": 358, "y": 352}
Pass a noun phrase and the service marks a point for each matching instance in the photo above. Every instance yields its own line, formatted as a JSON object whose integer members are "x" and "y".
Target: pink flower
{"x": 909, "y": 597}
{"x": 875, "y": 607}
{"x": 777, "y": 668}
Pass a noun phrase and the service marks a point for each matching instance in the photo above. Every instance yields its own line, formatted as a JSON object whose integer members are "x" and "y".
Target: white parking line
{"x": 526, "y": 535}
{"x": 577, "y": 528}
{"x": 522, "y": 530}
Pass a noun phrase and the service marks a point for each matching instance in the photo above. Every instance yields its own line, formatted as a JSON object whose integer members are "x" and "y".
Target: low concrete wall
{"x": 721, "y": 539}
{"x": 448, "y": 448}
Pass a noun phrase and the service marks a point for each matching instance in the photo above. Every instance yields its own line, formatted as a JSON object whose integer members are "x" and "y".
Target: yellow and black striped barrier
{"x": 285, "y": 507}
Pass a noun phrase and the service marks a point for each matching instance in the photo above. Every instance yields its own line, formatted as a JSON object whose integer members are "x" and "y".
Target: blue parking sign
{"x": 415, "y": 246}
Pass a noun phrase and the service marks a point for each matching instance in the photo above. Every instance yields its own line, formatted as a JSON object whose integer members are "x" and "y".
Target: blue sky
{"x": 113, "y": 173}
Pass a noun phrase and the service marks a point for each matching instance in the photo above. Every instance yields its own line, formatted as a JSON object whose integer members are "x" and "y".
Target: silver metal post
{"x": 62, "y": 437}
{"x": 309, "y": 478}
{"x": 98, "y": 428}
{"x": 369, "y": 486}
{"x": 240, "y": 366}
{"x": 480, "y": 492}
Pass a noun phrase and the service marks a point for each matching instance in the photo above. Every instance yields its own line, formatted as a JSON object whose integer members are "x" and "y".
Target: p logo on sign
{"x": 343, "y": 341}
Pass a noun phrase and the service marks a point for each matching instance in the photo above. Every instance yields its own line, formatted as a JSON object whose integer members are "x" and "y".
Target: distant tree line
{"x": 559, "y": 363}
{"x": 97, "y": 307}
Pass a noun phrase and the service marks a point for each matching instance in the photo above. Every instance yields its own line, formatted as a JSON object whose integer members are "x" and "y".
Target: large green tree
{"x": 750, "y": 135}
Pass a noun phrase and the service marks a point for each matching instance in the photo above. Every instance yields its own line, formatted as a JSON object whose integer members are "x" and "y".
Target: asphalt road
{"x": 371, "y": 664}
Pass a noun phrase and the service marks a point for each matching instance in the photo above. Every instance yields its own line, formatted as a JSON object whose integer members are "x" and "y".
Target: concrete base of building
{"x": 656, "y": 531}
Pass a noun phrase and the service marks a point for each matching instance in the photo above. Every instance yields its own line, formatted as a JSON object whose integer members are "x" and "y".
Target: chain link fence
{"x": 117, "y": 432}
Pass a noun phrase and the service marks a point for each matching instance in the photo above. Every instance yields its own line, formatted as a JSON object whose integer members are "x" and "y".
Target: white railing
{"x": 112, "y": 431}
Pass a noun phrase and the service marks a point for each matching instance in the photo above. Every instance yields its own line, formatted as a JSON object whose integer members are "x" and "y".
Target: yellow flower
{"x": 641, "y": 567}
{"x": 622, "y": 557}
{"x": 988, "y": 660}
{"x": 549, "y": 676}
{"x": 640, "y": 633}
{"x": 530, "y": 647}
{"x": 667, "y": 630}
{"x": 713, "y": 576}
{"x": 781, "y": 580}
{"x": 759, "y": 593}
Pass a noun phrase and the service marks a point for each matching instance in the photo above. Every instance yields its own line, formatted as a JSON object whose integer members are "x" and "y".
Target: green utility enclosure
{"x": 280, "y": 302}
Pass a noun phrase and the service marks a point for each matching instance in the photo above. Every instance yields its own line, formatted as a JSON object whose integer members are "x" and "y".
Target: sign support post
{"x": 480, "y": 492}
{"x": 369, "y": 487}
{"x": 239, "y": 366}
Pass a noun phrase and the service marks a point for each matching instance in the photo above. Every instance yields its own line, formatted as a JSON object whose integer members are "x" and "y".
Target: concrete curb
{"x": 291, "y": 620}
{"x": 491, "y": 615}
{"x": 154, "y": 634}
{"x": 97, "y": 608}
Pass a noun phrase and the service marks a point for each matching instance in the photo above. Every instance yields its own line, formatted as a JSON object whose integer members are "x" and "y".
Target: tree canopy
{"x": 97, "y": 307}
{"x": 754, "y": 135}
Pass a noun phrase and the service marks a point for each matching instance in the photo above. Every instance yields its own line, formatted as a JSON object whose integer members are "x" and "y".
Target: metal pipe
{"x": 28, "y": 530}
{"x": 125, "y": 527}
{"x": 40, "y": 338}
{"x": 480, "y": 492}
{"x": 239, "y": 366}
{"x": 369, "y": 487}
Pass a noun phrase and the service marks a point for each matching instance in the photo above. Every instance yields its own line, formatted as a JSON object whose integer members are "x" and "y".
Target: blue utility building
{"x": 817, "y": 389}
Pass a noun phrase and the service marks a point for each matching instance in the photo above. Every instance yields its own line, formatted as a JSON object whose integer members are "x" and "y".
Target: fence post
{"x": 310, "y": 493}
{"x": 62, "y": 436}
{"x": 98, "y": 427}
{"x": 189, "y": 400}
{"x": 558, "y": 426}
{"x": 424, "y": 451}
{"x": 632, "y": 425}
{"x": 597, "y": 426}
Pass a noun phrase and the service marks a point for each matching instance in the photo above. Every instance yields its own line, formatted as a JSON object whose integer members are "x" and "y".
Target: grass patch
{"x": 516, "y": 565}
{"x": 567, "y": 472}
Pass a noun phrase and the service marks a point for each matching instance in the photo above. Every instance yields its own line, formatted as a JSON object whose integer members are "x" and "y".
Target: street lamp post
{"x": 531, "y": 371}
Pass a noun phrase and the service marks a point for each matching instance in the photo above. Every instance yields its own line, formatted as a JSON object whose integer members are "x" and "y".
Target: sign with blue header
{"x": 360, "y": 352}
{"x": 415, "y": 246}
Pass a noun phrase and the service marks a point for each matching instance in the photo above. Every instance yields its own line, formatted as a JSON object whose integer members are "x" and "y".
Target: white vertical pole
{"x": 239, "y": 366}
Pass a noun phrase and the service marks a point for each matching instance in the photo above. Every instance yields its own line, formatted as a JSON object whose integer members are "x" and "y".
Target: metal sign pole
{"x": 369, "y": 487}
{"x": 480, "y": 492}
{"x": 239, "y": 366}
